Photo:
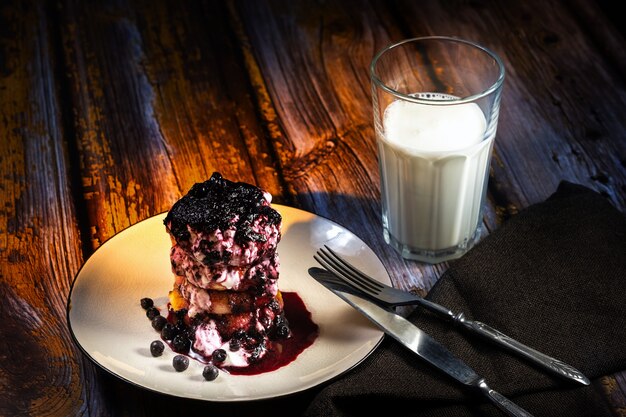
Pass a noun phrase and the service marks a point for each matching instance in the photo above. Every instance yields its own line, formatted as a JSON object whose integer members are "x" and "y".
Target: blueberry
{"x": 219, "y": 355}
{"x": 257, "y": 352}
{"x": 265, "y": 321}
{"x": 180, "y": 363}
{"x": 180, "y": 328}
{"x": 159, "y": 322}
{"x": 168, "y": 332}
{"x": 156, "y": 348}
{"x": 191, "y": 333}
{"x": 234, "y": 345}
{"x": 181, "y": 343}
{"x": 239, "y": 335}
{"x": 180, "y": 316}
{"x": 283, "y": 331}
{"x": 146, "y": 303}
{"x": 152, "y": 312}
{"x": 210, "y": 372}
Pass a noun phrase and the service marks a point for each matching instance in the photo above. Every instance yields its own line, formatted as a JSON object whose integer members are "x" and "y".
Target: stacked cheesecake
{"x": 224, "y": 258}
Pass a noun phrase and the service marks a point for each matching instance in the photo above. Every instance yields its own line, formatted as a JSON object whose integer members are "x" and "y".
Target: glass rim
{"x": 468, "y": 99}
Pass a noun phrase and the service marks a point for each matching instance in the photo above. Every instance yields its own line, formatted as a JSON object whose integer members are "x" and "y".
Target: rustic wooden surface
{"x": 111, "y": 110}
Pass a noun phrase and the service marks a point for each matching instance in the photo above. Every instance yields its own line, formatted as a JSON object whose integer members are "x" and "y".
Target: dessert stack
{"x": 224, "y": 238}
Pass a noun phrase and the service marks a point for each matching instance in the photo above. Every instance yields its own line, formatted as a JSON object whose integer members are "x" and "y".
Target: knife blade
{"x": 422, "y": 344}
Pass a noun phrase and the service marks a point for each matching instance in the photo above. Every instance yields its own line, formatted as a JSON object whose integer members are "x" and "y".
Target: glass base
{"x": 428, "y": 255}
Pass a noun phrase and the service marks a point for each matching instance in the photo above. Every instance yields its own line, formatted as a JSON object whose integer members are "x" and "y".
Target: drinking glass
{"x": 436, "y": 102}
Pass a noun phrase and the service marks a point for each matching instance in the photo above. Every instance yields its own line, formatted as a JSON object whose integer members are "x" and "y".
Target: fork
{"x": 392, "y": 297}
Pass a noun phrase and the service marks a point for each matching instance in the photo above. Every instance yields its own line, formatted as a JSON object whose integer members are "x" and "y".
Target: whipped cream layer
{"x": 260, "y": 276}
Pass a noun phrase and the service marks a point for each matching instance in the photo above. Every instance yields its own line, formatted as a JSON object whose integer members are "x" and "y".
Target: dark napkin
{"x": 552, "y": 277}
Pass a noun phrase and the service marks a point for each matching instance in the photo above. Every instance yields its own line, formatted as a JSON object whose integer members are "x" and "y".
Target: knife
{"x": 422, "y": 344}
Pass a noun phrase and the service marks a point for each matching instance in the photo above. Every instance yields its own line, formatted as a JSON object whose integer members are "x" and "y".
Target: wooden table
{"x": 111, "y": 110}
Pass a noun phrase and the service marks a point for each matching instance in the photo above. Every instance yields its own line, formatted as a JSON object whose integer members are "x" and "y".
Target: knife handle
{"x": 537, "y": 357}
{"x": 503, "y": 403}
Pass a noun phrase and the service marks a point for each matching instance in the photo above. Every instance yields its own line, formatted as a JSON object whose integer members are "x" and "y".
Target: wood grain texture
{"x": 110, "y": 110}
{"x": 315, "y": 59}
{"x": 327, "y": 49}
{"x": 557, "y": 122}
{"x": 40, "y": 246}
{"x": 112, "y": 104}
{"x": 203, "y": 102}
{"x": 179, "y": 104}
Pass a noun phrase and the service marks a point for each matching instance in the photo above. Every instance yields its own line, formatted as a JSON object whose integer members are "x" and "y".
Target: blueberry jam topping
{"x": 234, "y": 345}
{"x": 214, "y": 204}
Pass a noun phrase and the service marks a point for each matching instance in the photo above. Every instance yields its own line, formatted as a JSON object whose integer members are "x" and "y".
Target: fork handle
{"x": 541, "y": 359}
{"x": 429, "y": 305}
{"x": 503, "y": 403}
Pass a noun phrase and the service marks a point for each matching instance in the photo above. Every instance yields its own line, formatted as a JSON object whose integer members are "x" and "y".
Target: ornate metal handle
{"x": 533, "y": 355}
{"x": 503, "y": 403}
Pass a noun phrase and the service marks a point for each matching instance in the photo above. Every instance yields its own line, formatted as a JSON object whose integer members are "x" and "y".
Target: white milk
{"x": 434, "y": 163}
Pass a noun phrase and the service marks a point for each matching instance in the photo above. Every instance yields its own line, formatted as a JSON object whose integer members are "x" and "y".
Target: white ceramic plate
{"x": 109, "y": 325}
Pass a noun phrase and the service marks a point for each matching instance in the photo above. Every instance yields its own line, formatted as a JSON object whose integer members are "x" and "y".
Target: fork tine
{"x": 349, "y": 273}
{"x": 346, "y": 274}
{"x": 365, "y": 279}
{"x": 328, "y": 263}
{"x": 332, "y": 281}
{"x": 349, "y": 276}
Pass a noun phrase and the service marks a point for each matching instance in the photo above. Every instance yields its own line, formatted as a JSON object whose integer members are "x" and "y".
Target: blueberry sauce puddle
{"x": 280, "y": 352}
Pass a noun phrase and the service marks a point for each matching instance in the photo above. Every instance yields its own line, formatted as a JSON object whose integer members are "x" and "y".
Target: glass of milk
{"x": 436, "y": 103}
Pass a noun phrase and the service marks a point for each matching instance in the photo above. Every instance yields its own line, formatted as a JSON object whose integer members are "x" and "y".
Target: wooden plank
{"x": 314, "y": 59}
{"x": 153, "y": 81}
{"x": 111, "y": 99}
{"x": 203, "y": 101}
{"x": 40, "y": 249}
{"x": 557, "y": 81}
{"x": 160, "y": 100}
